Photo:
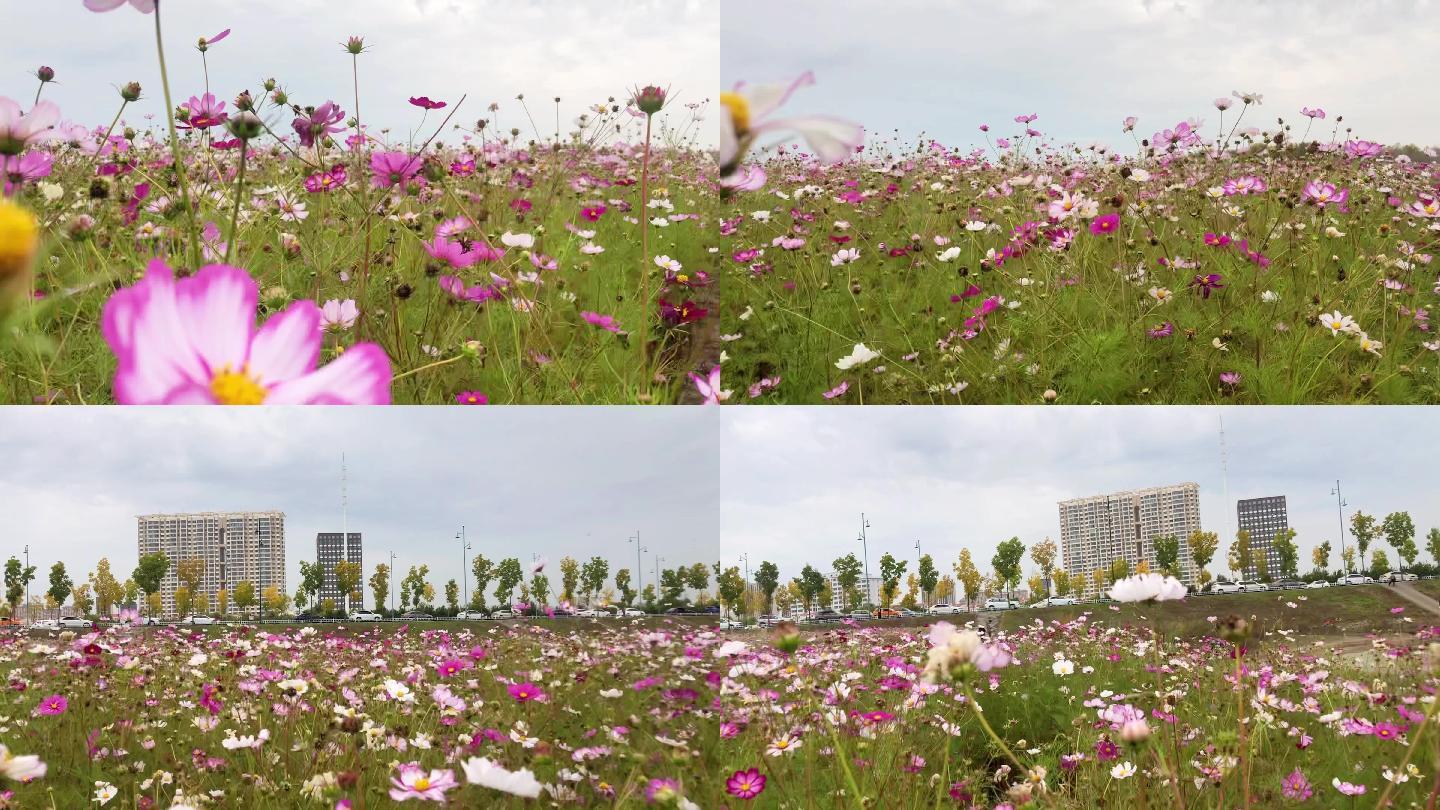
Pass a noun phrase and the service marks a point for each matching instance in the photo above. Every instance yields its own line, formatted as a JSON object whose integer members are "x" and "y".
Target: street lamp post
{"x": 464, "y": 577}
{"x": 658, "y": 560}
{"x": 923, "y": 597}
{"x": 639, "y": 574}
{"x": 27, "y": 585}
{"x": 392, "y": 583}
{"x": 1340, "y": 509}
{"x": 865, "y": 550}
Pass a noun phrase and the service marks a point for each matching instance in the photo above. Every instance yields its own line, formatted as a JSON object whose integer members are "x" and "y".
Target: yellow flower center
{"x": 236, "y": 387}
{"x": 739, "y": 111}
{"x": 19, "y": 237}
{"x": 422, "y": 784}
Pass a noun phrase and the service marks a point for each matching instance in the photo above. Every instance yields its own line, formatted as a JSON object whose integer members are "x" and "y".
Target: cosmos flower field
{"x": 1199, "y": 262}
{"x": 266, "y": 248}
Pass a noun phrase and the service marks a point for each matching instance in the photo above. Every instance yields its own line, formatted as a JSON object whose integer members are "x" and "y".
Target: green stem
{"x": 106, "y": 139}
{"x": 985, "y": 724}
{"x": 235, "y": 212}
{"x": 175, "y": 152}
{"x": 1409, "y": 752}
{"x": 645, "y": 267}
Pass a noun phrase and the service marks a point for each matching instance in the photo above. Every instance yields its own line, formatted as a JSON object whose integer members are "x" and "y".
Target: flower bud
{"x": 786, "y": 637}
{"x": 244, "y": 101}
{"x": 280, "y": 97}
{"x": 1135, "y": 731}
{"x": 269, "y": 84}
{"x": 245, "y": 125}
{"x": 355, "y": 46}
{"x": 45, "y": 74}
{"x": 130, "y": 92}
{"x": 649, "y": 99}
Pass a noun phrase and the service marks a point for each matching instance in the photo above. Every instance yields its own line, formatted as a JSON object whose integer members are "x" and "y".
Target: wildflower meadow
{"x": 1257, "y": 256}
{"x": 256, "y": 246}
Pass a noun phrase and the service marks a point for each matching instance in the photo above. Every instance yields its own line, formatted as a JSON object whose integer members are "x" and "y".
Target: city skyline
{"x": 521, "y": 483}
{"x": 794, "y": 483}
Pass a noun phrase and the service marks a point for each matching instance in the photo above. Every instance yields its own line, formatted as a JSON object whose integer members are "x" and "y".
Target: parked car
{"x": 46, "y": 624}
{"x": 592, "y": 613}
{"x": 1057, "y": 601}
{"x": 767, "y": 620}
{"x": 75, "y": 623}
{"x": 861, "y": 615}
{"x": 1288, "y": 584}
{"x": 1225, "y": 587}
{"x": 1000, "y": 603}
{"x": 504, "y": 613}
{"x": 907, "y": 613}
{"x": 416, "y": 614}
{"x": 630, "y": 612}
{"x": 194, "y": 619}
{"x": 944, "y": 609}
{"x": 730, "y": 624}
{"x": 1319, "y": 583}
{"x": 711, "y": 609}
{"x": 1392, "y": 577}
{"x": 472, "y": 615}
{"x": 365, "y": 616}
{"x": 307, "y": 616}
{"x": 1356, "y": 579}
{"x": 887, "y": 613}
{"x": 827, "y": 615}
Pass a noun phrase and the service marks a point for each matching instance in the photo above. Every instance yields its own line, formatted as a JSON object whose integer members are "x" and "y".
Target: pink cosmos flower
{"x": 1309, "y": 113}
{"x": 837, "y": 391}
{"x": 18, "y": 131}
{"x": 745, "y": 784}
{"x": 26, "y": 168}
{"x": 319, "y": 123}
{"x": 337, "y": 315}
{"x": 708, "y": 386}
{"x": 424, "y": 103}
{"x": 142, "y": 6}
{"x": 471, "y": 398}
{"x": 194, "y": 341}
{"x": 525, "y": 692}
{"x": 53, "y": 705}
{"x": 1348, "y": 788}
{"x": 1323, "y": 194}
{"x": 748, "y": 114}
{"x": 606, "y": 322}
{"x": 392, "y": 169}
{"x": 204, "y": 112}
{"x": 1105, "y": 223}
{"x": 478, "y": 294}
{"x": 322, "y": 182}
{"x": 414, "y": 782}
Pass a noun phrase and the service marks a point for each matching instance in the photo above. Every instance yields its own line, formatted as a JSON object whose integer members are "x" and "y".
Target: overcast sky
{"x": 794, "y": 480}
{"x": 523, "y": 481}
{"x": 946, "y": 67}
{"x": 580, "y": 50}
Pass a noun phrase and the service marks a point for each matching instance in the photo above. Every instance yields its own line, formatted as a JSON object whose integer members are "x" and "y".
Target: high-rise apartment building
{"x": 235, "y": 547}
{"x": 1098, "y": 530}
{"x": 1263, "y": 518}
{"x": 330, "y": 549}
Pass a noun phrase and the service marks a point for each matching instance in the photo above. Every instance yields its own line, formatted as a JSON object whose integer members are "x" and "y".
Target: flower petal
{"x": 216, "y": 311}
{"x": 361, "y": 376}
{"x": 288, "y": 346}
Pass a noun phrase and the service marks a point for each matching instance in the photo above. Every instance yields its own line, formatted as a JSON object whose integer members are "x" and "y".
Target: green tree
{"x": 698, "y": 576}
{"x": 540, "y": 589}
{"x": 244, "y": 595}
{"x": 1006, "y": 563}
{"x": 191, "y": 572}
{"x": 484, "y": 571}
{"x": 1043, "y": 554}
{"x": 592, "y": 577}
{"x": 622, "y": 584}
{"x": 1364, "y": 530}
{"x": 312, "y": 579}
{"x": 1432, "y": 544}
{"x": 1320, "y": 555}
{"x": 1203, "y": 546}
{"x": 929, "y": 576}
{"x": 1167, "y": 554}
{"x": 1399, "y": 531}
{"x": 847, "y": 576}
{"x": 507, "y": 577}
{"x": 732, "y": 588}
{"x": 452, "y": 595}
{"x": 1241, "y": 556}
{"x": 569, "y": 577}
{"x": 106, "y": 587}
{"x": 891, "y": 569}
{"x": 16, "y": 577}
{"x": 811, "y": 583}
{"x": 347, "y": 579}
{"x": 969, "y": 577}
{"x": 380, "y": 586}
{"x": 1288, "y": 552}
{"x": 60, "y": 584}
{"x": 672, "y": 585}
{"x": 1062, "y": 582}
{"x": 1379, "y": 562}
{"x": 150, "y": 571}
{"x": 1119, "y": 569}
{"x": 767, "y": 578}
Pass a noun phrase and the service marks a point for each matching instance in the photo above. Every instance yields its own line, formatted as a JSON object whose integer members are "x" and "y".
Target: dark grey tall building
{"x": 1263, "y": 518}
{"x": 329, "y": 550}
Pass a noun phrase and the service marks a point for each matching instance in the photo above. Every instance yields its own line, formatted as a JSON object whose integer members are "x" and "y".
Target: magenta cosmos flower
{"x": 18, "y": 130}
{"x": 393, "y": 168}
{"x": 194, "y": 342}
{"x": 524, "y": 692}
{"x": 142, "y": 6}
{"x": 745, "y": 784}
{"x": 424, "y": 103}
{"x": 205, "y": 111}
{"x": 53, "y": 705}
{"x": 26, "y": 168}
{"x": 318, "y": 123}
{"x": 1105, "y": 223}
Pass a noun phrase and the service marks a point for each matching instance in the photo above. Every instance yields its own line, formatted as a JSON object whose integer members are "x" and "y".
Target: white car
{"x": 473, "y": 615}
{"x": 1319, "y": 583}
{"x": 46, "y": 624}
{"x": 628, "y": 612}
{"x": 1356, "y": 579}
{"x": 198, "y": 620}
{"x": 730, "y": 624}
{"x": 503, "y": 613}
{"x": 1000, "y": 603}
{"x": 1398, "y": 576}
{"x": 1227, "y": 587}
{"x": 593, "y": 613}
{"x": 364, "y": 616}
{"x": 1253, "y": 587}
{"x": 1057, "y": 601}
{"x": 944, "y": 609}
{"x": 74, "y": 622}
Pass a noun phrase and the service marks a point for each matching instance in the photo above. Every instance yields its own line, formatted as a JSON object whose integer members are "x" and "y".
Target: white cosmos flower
{"x": 976, "y": 225}
{"x": 1337, "y": 323}
{"x": 20, "y": 768}
{"x": 1269, "y": 296}
{"x": 398, "y": 691}
{"x": 517, "y": 240}
{"x": 483, "y": 772}
{"x": 858, "y": 356}
{"x": 1161, "y": 294}
{"x": 1063, "y": 667}
{"x": 949, "y": 254}
{"x": 667, "y": 263}
{"x": 104, "y": 792}
{"x": 1123, "y": 770}
{"x": 1147, "y": 588}
{"x": 844, "y": 256}
{"x": 730, "y": 648}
